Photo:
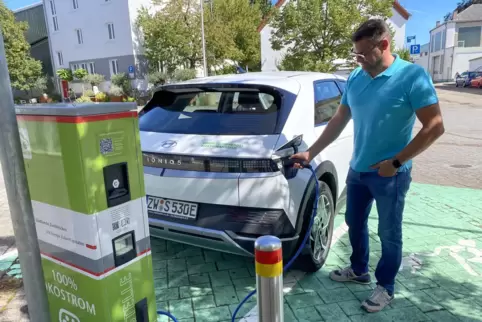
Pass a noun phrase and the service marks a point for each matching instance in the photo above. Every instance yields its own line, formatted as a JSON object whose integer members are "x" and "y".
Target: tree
{"x": 65, "y": 74}
{"x": 404, "y": 54}
{"x": 24, "y": 71}
{"x": 231, "y": 33}
{"x": 316, "y": 32}
{"x": 172, "y": 35}
{"x": 80, "y": 73}
{"x": 93, "y": 79}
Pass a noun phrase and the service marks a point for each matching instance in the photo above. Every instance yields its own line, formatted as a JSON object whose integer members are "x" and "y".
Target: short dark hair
{"x": 373, "y": 29}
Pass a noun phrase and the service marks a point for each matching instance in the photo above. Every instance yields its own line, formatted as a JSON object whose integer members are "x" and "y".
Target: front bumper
{"x": 224, "y": 241}
{"x": 226, "y": 228}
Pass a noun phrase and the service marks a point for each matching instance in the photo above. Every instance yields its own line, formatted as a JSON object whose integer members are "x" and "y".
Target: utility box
{"x": 86, "y": 182}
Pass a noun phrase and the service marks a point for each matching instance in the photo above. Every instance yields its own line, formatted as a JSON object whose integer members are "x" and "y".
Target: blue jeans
{"x": 389, "y": 194}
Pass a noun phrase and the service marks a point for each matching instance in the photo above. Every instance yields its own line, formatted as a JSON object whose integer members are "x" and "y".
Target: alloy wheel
{"x": 320, "y": 230}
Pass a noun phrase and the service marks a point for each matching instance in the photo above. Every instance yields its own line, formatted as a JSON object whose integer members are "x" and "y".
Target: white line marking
{"x": 10, "y": 253}
{"x": 252, "y": 315}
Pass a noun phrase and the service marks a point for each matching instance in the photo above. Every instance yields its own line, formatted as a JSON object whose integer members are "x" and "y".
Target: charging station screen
{"x": 123, "y": 245}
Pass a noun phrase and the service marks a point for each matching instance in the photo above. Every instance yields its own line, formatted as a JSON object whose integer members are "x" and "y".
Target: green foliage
{"x": 172, "y": 36}
{"x": 128, "y": 99}
{"x": 316, "y": 32}
{"x": 184, "y": 74}
{"x": 116, "y": 90}
{"x": 39, "y": 84}
{"x": 89, "y": 93}
{"x": 231, "y": 33}
{"x": 157, "y": 78}
{"x": 83, "y": 99}
{"x": 23, "y": 69}
{"x": 121, "y": 80}
{"x": 56, "y": 98}
{"x": 93, "y": 79}
{"x": 65, "y": 74}
{"x": 80, "y": 74}
{"x": 404, "y": 54}
{"x": 101, "y": 97}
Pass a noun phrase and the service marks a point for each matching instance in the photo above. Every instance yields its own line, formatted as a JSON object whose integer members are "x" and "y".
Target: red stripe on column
{"x": 271, "y": 257}
{"x": 77, "y": 119}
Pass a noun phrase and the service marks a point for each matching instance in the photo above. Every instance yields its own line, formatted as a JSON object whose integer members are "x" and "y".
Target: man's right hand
{"x": 303, "y": 157}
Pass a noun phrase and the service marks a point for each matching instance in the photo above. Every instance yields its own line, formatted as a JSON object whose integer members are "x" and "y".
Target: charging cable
{"x": 289, "y": 162}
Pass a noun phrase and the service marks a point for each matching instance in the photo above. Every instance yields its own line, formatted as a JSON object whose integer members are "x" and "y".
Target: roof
{"x": 477, "y": 58}
{"x": 287, "y": 80}
{"x": 30, "y": 6}
{"x": 474, "y": 12}
{"x": 396, "y": 5}
{"x": 35, "y": 17}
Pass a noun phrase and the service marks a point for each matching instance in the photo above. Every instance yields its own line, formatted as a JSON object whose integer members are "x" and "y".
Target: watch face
{"x": 396, "y": 164}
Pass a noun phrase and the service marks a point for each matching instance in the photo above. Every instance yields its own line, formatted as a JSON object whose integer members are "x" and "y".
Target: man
{"x": 383, "y": 96}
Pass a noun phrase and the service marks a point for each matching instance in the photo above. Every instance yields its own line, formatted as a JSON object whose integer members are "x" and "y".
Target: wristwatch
{"x": 396, "y": 164}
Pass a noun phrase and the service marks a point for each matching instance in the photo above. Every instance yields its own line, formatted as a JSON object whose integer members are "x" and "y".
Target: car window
{"x": 213, "y": 112}
{"x": 327, "y": 99}
{"x": 342, "y": 85}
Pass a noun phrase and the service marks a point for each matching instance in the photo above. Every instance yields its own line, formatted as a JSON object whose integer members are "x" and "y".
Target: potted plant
{"x": 116, "y": 93}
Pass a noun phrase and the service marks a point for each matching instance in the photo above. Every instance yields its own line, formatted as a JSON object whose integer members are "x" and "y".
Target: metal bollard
{"x": 269, "y": 278}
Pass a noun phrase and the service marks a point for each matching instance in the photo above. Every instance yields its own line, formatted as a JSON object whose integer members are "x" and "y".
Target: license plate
{"x": 172, "y": 208}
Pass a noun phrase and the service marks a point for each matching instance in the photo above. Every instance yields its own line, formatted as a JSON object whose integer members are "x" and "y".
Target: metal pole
{"x": 19, "y": 200}
{"x": 269, "y": 278}
{"x": 205, "y": 63}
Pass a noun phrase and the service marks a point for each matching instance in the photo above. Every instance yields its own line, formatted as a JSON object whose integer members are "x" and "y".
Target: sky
{"x": 424, "y": 14}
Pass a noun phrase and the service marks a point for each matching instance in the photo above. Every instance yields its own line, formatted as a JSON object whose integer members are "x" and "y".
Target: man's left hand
{"x": 385, "y": 168}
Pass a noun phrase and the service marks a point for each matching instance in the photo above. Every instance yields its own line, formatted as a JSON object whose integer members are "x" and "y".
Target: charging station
{"x": 85, "y": 177}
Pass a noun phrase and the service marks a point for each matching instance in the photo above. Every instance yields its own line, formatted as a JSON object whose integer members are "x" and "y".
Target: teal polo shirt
{"x": 383, "y": 111}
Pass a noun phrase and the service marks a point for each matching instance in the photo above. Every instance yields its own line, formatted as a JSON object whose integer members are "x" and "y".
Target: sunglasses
{"x": 363, "y": 54}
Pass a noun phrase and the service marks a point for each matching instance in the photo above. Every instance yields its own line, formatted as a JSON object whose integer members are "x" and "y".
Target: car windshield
{"x": 213, "y": 111}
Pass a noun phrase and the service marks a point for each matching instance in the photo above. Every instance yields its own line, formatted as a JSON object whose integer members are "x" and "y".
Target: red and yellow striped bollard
{"x": 269, "y": 278}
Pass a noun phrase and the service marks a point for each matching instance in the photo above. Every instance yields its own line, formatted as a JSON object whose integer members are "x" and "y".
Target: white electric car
{"x": 214, "y": 174}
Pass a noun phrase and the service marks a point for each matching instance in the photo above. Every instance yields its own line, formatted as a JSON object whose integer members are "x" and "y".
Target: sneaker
{"x": 348, "y": 275}
{"x": 378, "y": 300}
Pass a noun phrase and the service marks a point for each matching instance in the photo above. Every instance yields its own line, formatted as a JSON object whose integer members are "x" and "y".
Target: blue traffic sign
{"x": 414, "y": 49}
{"x": 131, "y": 69}
{"x": 410, "y": 38}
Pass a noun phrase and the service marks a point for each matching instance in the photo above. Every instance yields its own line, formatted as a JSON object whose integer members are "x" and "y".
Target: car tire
{"x": 309, "y": 260}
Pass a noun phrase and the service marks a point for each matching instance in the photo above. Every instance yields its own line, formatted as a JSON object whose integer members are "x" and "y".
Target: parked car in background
{"x": 477, "y": 80}
{"x": 465, "y": 78}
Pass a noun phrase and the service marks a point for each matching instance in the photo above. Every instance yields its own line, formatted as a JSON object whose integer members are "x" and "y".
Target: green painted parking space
{"x": 440, "y": 280}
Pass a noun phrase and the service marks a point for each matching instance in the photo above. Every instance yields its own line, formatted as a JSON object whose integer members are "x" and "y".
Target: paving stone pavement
{"x": 441, "y": 277}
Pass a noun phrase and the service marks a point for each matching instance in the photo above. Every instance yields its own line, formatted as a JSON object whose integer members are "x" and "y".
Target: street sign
{"x": 131, "y": 69}
{"x": 410, "y": 38}
{"x": 414, "y": 49}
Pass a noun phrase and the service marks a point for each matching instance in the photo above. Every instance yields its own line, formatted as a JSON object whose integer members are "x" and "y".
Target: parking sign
{"x": 414, "y": 49}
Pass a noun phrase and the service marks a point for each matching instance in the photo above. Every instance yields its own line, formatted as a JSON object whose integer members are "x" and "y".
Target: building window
{"x": 114, "y": 66}
{"x": 91, "y": 69}
{"x": 110, "y": 29}
{"x": 60, "y": 58}
{"x": 83, "y": 66}
{"x": 75, "y": 4}
{"x": 75, "y": 67}
{"x": 80, "y": 39}
{"x": 52, "y": 8}
{"x": 469, "y": 36}
{"x": 56, "y": 23}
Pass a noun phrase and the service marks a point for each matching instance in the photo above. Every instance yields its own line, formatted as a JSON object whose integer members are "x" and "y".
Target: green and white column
{"x": 85, "y": 176}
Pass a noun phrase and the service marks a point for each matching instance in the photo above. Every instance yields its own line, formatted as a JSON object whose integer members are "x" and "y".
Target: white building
{"x": 271, "y": 58}
{"x": 422, "y": 58}
{"x": 454, "y": 43}
{"x": 99, "y": 36}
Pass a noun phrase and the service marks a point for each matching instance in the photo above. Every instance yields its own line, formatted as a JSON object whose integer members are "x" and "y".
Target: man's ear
{"x": 384, "y": 44}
